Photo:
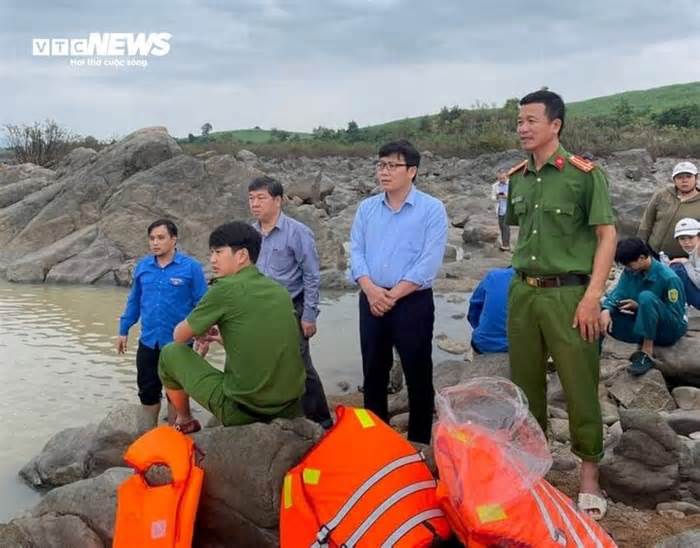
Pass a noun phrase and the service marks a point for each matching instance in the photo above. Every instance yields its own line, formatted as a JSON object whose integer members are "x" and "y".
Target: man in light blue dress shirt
{"x": 397, "y": 243}
{"x": 288, "y": 255}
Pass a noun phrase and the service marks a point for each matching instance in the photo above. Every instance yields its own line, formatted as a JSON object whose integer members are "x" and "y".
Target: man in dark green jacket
{"x": 646, "y": 307}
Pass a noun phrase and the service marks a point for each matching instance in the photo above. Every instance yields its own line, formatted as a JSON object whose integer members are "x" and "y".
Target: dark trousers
{"x": 692, "y": 293}
{"x": 147, "y": 379}
{"x": 408, "y": 327}
{"x": 504, "y": 227}
{"x": 314, "y": 400}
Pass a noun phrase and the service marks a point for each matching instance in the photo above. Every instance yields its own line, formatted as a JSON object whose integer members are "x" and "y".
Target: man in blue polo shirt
{"x": 166, "y": 286}
{"x": 488, "y": 311}
{"x": 397, "y": 243}
{"x": 288, "y": 255}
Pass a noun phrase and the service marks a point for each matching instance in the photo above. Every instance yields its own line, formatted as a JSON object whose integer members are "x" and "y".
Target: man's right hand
{"x": 605, "y": 321}
{"x": 380, "y": 300}
{"x": 121, "y": 344}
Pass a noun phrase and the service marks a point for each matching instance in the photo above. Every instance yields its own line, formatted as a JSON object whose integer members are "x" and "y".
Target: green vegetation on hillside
{"x": 653, "y": 101}
{"x": 663, "y": 120}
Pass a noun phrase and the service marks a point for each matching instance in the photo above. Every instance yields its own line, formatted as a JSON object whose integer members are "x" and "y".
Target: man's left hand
{"x": 628, "y": 304}
{"x": 586, "y": 318}
{"x": 308, "y": 328}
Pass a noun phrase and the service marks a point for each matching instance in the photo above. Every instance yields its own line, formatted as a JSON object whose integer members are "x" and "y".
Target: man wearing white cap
{"x": 687, "y": 233}
{"x": 668, "y": 206}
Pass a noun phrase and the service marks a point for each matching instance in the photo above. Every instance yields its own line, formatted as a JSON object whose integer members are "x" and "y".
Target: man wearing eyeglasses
{"x": 397, "y": 244}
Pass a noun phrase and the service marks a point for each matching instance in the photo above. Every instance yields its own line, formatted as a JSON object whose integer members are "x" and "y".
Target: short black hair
{"x": 630, "y": 249}
{"x": 401, "y": 148}
{"x": 167, "y": 223}
{"x": 553, "y": 104}
{"x": 273, "y": 186}
{"x": 237, "y": 235}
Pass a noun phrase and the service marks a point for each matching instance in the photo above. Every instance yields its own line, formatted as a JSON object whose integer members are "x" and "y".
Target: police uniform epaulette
{"x": 581, "y": 163}
{"x": 517, "y": 168}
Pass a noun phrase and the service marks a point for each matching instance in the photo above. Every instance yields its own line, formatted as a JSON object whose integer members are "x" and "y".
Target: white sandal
{"x": 594, "y": 506}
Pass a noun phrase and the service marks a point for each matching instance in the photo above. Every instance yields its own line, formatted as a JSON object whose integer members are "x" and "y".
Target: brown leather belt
{"x": 555, "y": 281}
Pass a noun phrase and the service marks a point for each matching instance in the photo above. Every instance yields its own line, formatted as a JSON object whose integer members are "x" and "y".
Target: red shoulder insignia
{"x": 582, "y": 164}
{"x": 522, "y": 165}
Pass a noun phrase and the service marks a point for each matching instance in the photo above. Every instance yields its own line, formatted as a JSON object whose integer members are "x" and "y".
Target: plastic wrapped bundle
{"x": 492, "y": 455}
{"x": 494, "y": 412}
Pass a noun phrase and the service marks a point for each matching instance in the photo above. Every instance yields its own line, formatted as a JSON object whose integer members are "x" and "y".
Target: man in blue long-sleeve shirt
{"x": 288, "y": 255}
{"x": 488, "y": 311}
{"x": 166, "y": 287}
{"x": 397, "y": 244}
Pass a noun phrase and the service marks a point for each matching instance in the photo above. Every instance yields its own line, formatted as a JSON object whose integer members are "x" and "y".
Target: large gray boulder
{"x": 244, "y": 467}
{"x": 650, "y": 464}
{"x": 92, "y": 500}
{"x": 681, "y": 362}
{"x": 648, "y": 391}
{"x": 114, "y": 434}
{"x": 78, "y": 453}
{"x": 52, "y": 530}
{"x": 64, "y": 458}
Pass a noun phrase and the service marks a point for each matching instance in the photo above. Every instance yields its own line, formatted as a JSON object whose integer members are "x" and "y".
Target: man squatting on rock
{"x": 253, "y": 317}
{"x": 167, "y": 284}
{"x": 397, "y": 242}
{"x": 563, "y": 256}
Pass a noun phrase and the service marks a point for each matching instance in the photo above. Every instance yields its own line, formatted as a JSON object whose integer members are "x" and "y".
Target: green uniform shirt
{"x": 659, "y": 279}
{"x": 557, "y": 210}
{"x": 255, "y": 316}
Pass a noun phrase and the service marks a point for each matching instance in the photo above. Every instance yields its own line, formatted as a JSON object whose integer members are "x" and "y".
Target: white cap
{"x": 687, "y": 227}
{"x": 684, "y": 167}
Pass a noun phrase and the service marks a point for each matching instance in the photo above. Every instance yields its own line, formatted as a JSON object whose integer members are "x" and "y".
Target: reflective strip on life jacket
{"x": 410, "y": 524}
{"x": 325, "y": 530}
{"x": 553, "y": 532}
{"x": 565, "y": 519}
{"x": 591, "y": 534}
{"x": 384, "y": 506}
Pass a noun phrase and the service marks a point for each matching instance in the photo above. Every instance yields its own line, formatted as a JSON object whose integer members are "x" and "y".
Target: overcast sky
{"x": 299, "y": 64}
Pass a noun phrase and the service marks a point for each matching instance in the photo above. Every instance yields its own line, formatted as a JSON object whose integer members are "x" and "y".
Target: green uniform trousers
{"x": 653, "y": 320}
{"x": 181, "y": 368}
{"x": 539, "y": 326}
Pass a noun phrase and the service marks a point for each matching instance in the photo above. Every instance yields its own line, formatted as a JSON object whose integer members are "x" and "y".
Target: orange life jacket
{"x": 489, "y": 503}
{"x": 362, "y": 485}
{"x": 163, "y": 515}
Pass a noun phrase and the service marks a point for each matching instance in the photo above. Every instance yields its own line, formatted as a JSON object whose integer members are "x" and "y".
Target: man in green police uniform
{"x": 564, "y": 253}
{"x": 253, "y": 317}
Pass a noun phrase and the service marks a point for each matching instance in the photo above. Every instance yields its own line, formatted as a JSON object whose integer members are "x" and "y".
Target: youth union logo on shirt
{"x": 177, "y": 281}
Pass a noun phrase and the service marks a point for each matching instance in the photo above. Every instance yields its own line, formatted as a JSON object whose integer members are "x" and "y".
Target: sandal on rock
{"x": 594, "y": 506}
{"x": 640, "y": 363}
{"x": 189, "y": 427}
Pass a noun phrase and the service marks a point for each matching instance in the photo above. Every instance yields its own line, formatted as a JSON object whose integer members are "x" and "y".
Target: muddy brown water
{"x": 60, "y": 370}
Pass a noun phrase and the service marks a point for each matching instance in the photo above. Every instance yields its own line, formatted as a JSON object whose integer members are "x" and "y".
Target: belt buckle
{"x": 531, "y": 281}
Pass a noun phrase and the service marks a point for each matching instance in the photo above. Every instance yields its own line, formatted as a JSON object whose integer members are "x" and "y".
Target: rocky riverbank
{"x": 85, "y": 221}
{"x": 651, "y": 468}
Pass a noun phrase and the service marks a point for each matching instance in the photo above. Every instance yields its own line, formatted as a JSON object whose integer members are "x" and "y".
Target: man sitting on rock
{"x": 646, "y": 307}
{"x": 253, "y": 317}
{"x": 488, "y": 310}
{"x": 688, "y": 270}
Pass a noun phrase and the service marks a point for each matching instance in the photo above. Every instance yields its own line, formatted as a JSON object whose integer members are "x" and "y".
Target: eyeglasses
{"x": 391, "y": 166}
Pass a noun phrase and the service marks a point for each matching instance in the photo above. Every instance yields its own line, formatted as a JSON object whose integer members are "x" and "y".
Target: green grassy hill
{"x": 651, "y": 100}
{"x": 665, "y": 120}
{"x": 252, "y": 136}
